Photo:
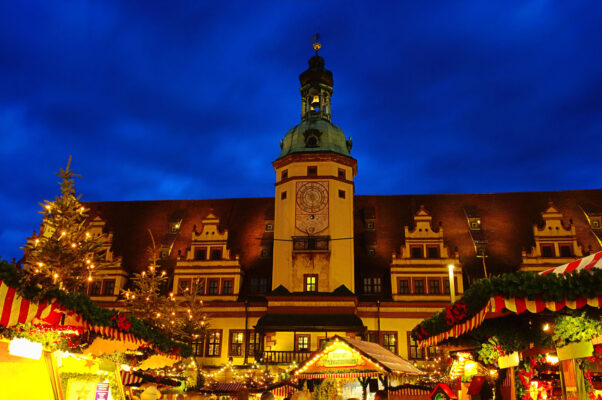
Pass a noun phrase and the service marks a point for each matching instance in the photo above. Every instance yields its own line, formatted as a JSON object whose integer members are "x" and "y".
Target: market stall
{"x": 70, "y": 346}
{"x": 526, "y": 321}
{"x": 355, "y": 366}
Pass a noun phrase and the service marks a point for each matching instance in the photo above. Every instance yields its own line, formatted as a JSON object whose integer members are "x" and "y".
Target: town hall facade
{"x": 278, "y": 276}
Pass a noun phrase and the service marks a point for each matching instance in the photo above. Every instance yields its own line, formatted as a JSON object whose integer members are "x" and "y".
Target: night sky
{"x": 185, "y": 100}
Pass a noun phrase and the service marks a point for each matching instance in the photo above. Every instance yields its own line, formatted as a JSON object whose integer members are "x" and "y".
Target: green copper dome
{"x": 315, "y": 133}
{"x": 315, "y": 136}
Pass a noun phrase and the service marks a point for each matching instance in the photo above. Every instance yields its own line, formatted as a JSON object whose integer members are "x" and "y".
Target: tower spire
{"x": 317, "y": 45}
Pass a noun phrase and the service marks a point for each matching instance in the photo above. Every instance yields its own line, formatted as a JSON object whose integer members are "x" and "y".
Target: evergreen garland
{"x": 521, "y": 284}
{"x": 92, "y": 312}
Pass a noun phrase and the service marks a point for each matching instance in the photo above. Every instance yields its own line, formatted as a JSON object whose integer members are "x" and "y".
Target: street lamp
{"x": 452, "y": 286}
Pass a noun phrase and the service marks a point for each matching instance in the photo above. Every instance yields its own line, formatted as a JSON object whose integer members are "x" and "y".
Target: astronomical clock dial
{"x": 312, "y": 207}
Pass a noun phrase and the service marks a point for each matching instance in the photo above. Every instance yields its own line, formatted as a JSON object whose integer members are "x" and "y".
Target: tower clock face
{"x": 311, "y": 207}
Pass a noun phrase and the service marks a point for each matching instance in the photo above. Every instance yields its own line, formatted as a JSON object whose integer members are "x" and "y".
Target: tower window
{"x": 284, "y": 174}
{"x": 342, "y": 173}
{"x": 311, "y": 283}
{"x": 283, "y": 195}
{"x": 311, "y": 141}
{"x": 312, "y": 170}
{"x": 342, "y": 194}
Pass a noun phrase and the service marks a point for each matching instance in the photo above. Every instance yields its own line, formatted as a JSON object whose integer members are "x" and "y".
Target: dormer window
{"x": 312, "y": 138}
{"x": 174, "y": 227}
{"x": 312, "y": 141}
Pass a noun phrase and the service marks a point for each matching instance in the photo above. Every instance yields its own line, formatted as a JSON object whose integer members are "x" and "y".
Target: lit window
{"x": 302, "y": 342}
{"x": 414, "y": 352}
{"x": 253, "y": 343}
{"x": 236, "y": 343}
{"x": 311, "y": 283}
{"x": 269, "y": 227}
{"x": 389, "y": 341}
{"x": 214, "y": 343}
{"x": 596, "y": 224}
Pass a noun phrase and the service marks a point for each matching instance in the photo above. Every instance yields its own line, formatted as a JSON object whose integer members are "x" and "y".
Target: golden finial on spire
{"x": 317, "y": 46}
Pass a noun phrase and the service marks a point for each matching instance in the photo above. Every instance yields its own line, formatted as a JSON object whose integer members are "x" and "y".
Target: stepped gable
{"x": 508, "y": 220}
{"x": 130, "y": 221}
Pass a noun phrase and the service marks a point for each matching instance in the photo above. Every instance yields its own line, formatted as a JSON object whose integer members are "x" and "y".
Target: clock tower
{"x": 313, "y": 221}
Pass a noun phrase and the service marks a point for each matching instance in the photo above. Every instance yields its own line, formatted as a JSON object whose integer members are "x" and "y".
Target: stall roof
{"x": 377, "y": 359}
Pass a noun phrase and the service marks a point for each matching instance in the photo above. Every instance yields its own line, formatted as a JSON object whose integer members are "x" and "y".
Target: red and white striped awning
{"x": 128, "y": 379}
{"x": 14, "y": 309}
{"x": 586, "y": 263}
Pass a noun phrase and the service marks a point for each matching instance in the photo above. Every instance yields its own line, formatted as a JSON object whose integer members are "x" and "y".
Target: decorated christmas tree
{"x": 64, "y": 254}
{"x": 147, "y": 300}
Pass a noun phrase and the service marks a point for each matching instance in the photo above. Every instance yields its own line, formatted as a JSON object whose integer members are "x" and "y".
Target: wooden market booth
{"x": 526, "y": 304}
{"x": 351, "y": 359}
{"x": 33, "y": 367}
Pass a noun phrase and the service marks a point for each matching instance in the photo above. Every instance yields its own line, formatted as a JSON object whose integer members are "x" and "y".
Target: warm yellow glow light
{"x": 24, "y": 348}
{"x": 546, "y": 327}
{"x": 551, "y": 359}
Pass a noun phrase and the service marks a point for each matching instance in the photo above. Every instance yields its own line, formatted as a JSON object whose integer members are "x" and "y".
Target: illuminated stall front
{"x": 354, "y": 365}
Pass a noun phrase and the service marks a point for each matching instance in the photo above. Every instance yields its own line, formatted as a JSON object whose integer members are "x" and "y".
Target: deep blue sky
{"x": 172, "y": 100}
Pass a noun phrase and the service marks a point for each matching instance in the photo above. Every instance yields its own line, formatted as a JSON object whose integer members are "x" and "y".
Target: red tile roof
{"x": 507, "y": 225}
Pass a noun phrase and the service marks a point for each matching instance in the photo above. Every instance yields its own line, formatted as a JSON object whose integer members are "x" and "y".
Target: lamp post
{"x": 452, "y": 286}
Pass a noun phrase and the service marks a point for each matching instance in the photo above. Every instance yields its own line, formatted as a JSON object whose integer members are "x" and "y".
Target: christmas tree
{"x": 64, "y": 255}
{"x": 146, "y": 300}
